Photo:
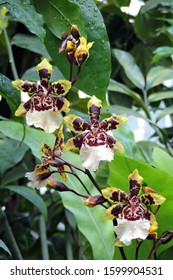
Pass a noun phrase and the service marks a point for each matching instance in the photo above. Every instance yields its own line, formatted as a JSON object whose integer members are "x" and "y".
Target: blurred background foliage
{"x": 130, "y": 70}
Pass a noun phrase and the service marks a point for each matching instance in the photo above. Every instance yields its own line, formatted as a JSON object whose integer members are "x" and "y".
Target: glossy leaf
{"x": 4, "y": 247}
{"x": 158, "y": 75}
{"x": 162, "y": 160}
{"x": 166, "y": 254}
{"x": 30, "y": 195}
{"x": 151, "y": 4}
{"x": 158, "y": 96}
{"x": 31, "y": 43}
{"x": 162, "y": 52}
{"x": 89, "y": 220}
{"x": 11, "y": 153}
{"x": 130, "y": 67}
{"x": 24, "y": 12}
{"x": 118, "y": 87}
{"x": 11, "y": 94}
{"x": 95, "y": 73}
{"x": 118, "y": 109}
{"x": 160, "y": 181}
{"x": 58, "y": 15}
{"x": 33, "y": 137}
{"x": 165, "y": 112}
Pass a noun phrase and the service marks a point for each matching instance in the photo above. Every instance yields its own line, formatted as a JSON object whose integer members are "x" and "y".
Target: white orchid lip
{"x": 48, "y": 120}
{"x": 92, "y": 155}
{"x": 128, "y": 230}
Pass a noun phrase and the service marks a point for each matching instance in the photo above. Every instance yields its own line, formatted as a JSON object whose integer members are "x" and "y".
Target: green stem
{"x": 43, "y": 237}
{"x": 9, "y": 236}
{"x": 69, "y": 250}
{"x": 10, "y": 54}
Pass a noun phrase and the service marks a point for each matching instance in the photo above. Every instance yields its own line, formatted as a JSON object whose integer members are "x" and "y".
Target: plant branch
{"x": 10, "y": 53}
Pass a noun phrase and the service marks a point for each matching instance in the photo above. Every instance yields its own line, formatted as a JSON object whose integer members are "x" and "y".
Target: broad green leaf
{"x": 118, "y": 87}
{"x": 60, "y": 15}
{"x": 4, "y": 247}
{"x": 11, "y": 153}
{"x": 33, "y": 137}
{"x": 157, "y": 75}
{"x": 11, "y": 94}
{"x": 162, "y": 52}
{"x": 151, "y": 4}
{"x": 30, "y": 195}
{"x": 31, "y": 43}
{"x": 14, "y": 174}
{"x": 130, "y": 67}
{"x": 146, "y": 149}
{"x": 95, "y": 72}
{"x": 126, "y": 138}
{"x": 160, "y": 181}
{"x": 162, "y": 160}
{"x": 118, "y": 109}
{"x": 165, "y": 112}
{"x": 160, "y": 96}
{"x": 24, "y": 12}
{"x": 89, "y": 220}
{"x": 166, "y": 254}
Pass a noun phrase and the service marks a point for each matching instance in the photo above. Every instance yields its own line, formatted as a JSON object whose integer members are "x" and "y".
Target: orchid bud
{"x": 57, "y": 185}
{"x": 94, "y": 200}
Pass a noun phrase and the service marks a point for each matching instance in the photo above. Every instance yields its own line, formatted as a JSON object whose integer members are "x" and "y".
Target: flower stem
{"x": 88, "y": 173}
{"x": 122, "y": 253}
{"x": 10, "y": 54}
{"x": 9, "y": 236}
{"x": 44, "y": 247}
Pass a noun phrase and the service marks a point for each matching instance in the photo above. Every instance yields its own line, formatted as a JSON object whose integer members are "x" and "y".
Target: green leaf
{"x": 11, "y": 153}
{"x": 118, "y": 87}
{"x": 165, "y": 112}
{"x": 33, "y": 137}
{"x": 60, "y": 15}
{"x": 162, "y": 52}
{"x": 160, "y": 96}
{"x": 146, "y": 149}
{"x": 4, "y": 247}
{"x": 166, "y": 254}
{"x": 162, "y": 160}
{"x": 160, "y": 181}
{"x": 89, "y": 220}
{"x": 24, "y": 12}
{"x": 30, "y": 195}
{"x": 158, "y": 75}
{"x": 151, "y": 4}
{"x": 124, "y": 110}
{"x": 130, "y": 67}
{"x": 11, "y": 94}
{"x": 92, "y": 80}
{"x": 31, "y": 43}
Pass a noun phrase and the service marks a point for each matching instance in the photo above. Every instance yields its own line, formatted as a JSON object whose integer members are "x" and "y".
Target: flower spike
{"x": 47, "y": 100}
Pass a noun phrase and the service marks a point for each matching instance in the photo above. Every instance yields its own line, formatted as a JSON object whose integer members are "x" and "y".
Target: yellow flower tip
{"x": 44, "y": 64}
{"x": 21, "y": 111}
{"x": 149, "y": 190}
{"x": 75, "y": 31}
{"x": 65, "y": 107}
{"x": 153, "y": 224}
{"x": 135, "y": 176}
{"x": 118, "y": 147}
{"x": 121, "y": 119}
{"x": 94, "y": 101}
{"x": 18, "y": 84}
{"x": 70, "y": 46}
{"x": 65, "y": 84}
{"x": 118, "y": 243}
{"x": 69, "y": 145}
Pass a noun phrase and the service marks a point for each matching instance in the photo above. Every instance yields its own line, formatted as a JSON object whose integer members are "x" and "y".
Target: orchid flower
{"x": 44, "y": 107}
{"x": 92, "y": 139}
{"x": 134, "y": 221}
